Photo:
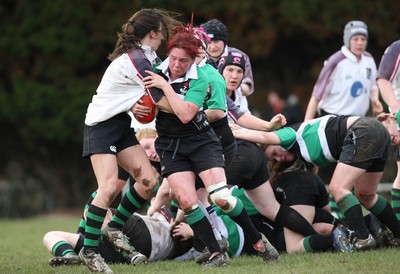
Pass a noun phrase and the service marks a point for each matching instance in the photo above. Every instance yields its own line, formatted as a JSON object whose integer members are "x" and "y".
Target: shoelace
{"x": 98, "y": 262}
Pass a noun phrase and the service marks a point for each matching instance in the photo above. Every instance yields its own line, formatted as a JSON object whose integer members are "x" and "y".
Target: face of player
{"x": 179, "y": 63}
{"x": 358, "y": 44}
{"x": 158, "y": 37}
{"x": 391, "y": 126}
{"x": 148, "y": 145}
{"x": 279, "y": 154}
{"x": 215, "y": 48}
{"x": 233, "y": 77}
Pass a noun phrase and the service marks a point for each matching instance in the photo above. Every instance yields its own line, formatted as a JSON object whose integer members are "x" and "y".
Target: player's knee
{"x": 221, "y": 196}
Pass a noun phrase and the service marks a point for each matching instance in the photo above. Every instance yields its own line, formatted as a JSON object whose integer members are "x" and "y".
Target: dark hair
{"x": 139, "y": 25}
{"x": 185, "y": 38}
{"x": 276, "y": 168}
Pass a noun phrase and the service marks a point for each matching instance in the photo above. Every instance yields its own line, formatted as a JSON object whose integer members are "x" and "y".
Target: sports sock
{"x": 395, "y": 202}
{"x": 129, "y": 204}
{"x": 212, "y": 218}
{"x": 239, "y": 215}
{"x": 351, "y": 209}
{"x": 174, "y": 209}
{"x": 323, "y": 216}
{"x": 82, "y": 223}
{"x": 384, "y": 212}
{"x": 94, "y": 221}
{"x": 335, "y": 211}
{"x": 202, "y": 229}
{"x": 62, "y": 248}
{"x": 318, "y": 242}
{"x": 291, "y": 219}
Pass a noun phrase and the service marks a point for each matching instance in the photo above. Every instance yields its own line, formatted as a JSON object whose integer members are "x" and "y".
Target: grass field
{"x": 22, "y": 251}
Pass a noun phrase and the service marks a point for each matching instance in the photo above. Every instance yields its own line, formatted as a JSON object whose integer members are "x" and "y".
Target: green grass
{"x": 22, "y": 251}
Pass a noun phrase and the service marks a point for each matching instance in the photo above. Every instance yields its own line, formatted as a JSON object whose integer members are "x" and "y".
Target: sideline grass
{"x": 22, "y": 251}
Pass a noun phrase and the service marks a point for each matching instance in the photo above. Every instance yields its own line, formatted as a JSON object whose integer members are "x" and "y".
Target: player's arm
{"x": 387, "y": 94}
{"x": 255, "y": 136}
{"x": 311, "y": 108}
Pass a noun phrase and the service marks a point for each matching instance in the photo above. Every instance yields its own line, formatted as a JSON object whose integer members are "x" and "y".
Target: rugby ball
{"x": 148, "y": 103}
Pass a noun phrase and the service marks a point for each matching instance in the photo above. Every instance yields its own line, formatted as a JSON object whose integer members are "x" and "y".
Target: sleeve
{"x": 325, "y": 74}
{"x": 287, "y": 135}
{"x": 390, "y": 62}
{"x": 233, "y": 110}
{"x": 217, "y": 99}
{"x": 197, "y": 89}
{"x": 141, "y": 64}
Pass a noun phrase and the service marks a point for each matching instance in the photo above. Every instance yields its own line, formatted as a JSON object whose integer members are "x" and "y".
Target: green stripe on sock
{"x": 347, "y": 202}
{"x": 92, "y": 230}
{"x": 57, "y": 245}
{"x": 124, "y": 212}
{"x": 306, "y": 244}
{"x": 90, "y": 242}
{"x": 118, "y": 220}
{"x": 379, "y": 206}
{"x": 95, "y": 217}
{"x": 236, "y": 210}
{"x": 133, "y": 200}
{"x": 195, "y": 216}
{"x": 68, "y": 251}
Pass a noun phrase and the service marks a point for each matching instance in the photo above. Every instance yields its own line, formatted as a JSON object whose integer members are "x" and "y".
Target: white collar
{"x": 346, "y": 51}
{"x": 202, "y": 62}
{"x": 150, "y": 54}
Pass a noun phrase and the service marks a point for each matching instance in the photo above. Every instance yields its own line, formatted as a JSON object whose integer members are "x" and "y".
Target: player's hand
{"x": 183, "y": 231}
{"x": 278, "y": 121}
{"x": 140, "y": 110}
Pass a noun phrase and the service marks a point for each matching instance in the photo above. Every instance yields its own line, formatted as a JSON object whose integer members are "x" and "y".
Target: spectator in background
{"x": 347, "y": 82}
{"x": 218, "y": 34}
{"x": 388, "y": 80}
{"x": 279, "y": 101}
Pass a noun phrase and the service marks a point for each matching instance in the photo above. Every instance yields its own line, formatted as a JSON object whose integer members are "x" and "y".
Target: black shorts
{"x": 248, "y": 168}
{"x": 109, "y": 137}
{"x": 229, "y": 151}
{"x": 300, "y": 187}
{"x": 366, "y": 145}
{"x": 196, "y": 153}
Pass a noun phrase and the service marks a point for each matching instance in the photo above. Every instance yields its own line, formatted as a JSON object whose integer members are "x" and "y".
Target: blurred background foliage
{"x": 53, "y": 55}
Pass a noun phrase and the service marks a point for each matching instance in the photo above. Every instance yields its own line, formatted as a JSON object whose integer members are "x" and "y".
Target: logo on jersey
{"x": 113, "y": 149}
{"x": 208, "y": 95}
{"x": 357, "y": 89}
{"x": 184, "y": 89}
{"x": 369, "y": 73}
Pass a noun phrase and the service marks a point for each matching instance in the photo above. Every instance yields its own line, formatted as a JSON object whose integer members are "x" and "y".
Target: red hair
{"x": 185, "y": 38}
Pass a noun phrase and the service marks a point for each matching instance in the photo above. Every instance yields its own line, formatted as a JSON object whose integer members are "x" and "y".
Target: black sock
{"x": 384, "y": 212}
{"x": 62, "y": 248}
{"x": 318, "y": 242}
{"x": 94, "y": 221}
{"x": 291, "y": 219}
{"x": 129, "y": 204}
{"x": 323, "y": 216}
{"x": 244, "y": 221}
{"x": 202, "y": 229}
{"x": 82, "y": 223}
{"x": 395, "y": 202}
{"x": 356, "y": 221}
